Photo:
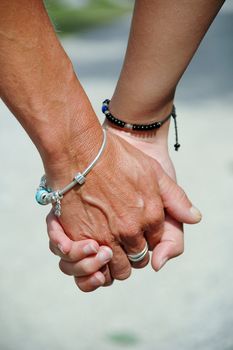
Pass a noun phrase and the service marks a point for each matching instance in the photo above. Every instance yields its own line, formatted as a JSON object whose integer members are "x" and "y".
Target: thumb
{"x": 175, "y": 200}
{"x": 57, "y": 235}
{"x": 63, "y": 246}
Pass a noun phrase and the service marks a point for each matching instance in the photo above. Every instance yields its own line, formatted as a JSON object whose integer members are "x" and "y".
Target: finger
{"x": 175, "y": 200}
{"x": 120, "y": 267}
{"x": 155, "y": 218}
{"x": 64, "y": 247}
{"x": 153, "y": 235}
{"x": 78, "y": 251}
{"x": 171, "y": 244}
{"x": 142, "y": 263}
{"x": 108, "y": 278}
{"x": 134, "y": 242}
{"x": 138, "y": 248}
{"x": 90, "y": 283}
{"x": 57, "y": 235}
{"x": 89, "y": 265}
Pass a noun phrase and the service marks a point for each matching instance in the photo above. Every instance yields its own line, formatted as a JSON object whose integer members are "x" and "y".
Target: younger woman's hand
{"x": 171, "y": 243}
{"x": 85, "y": 260}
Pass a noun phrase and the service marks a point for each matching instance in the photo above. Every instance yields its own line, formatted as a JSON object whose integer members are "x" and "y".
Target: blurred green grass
{"x": 73, "y": 19}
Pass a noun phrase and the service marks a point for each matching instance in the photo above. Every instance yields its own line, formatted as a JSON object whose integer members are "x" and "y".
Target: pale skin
{"x": 164, "y": 37}
{"x": 39, "y": 86}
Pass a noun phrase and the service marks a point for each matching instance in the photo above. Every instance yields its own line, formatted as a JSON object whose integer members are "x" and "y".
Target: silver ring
{"x": 139, "y": 256}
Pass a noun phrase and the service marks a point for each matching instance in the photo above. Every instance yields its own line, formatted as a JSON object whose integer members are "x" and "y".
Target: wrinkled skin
{"x": 125, "y": 230}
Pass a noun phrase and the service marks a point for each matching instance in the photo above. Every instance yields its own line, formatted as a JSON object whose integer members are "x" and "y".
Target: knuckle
{"x": 156, "y": 213}
{"x": 123, "y": 275}
{"x": 158, "y": 218}
{"x": 131, "y": 231}
{"x": 182, "y": 195}
{"x": 87, "y": 268}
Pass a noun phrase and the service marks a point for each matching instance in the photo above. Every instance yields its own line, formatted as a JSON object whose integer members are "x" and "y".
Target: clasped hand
{"x": 127, "y": 200}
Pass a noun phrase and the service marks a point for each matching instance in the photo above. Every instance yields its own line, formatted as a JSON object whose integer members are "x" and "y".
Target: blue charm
{"x": 41, "y": 195}
{"x": 104, "y": 108}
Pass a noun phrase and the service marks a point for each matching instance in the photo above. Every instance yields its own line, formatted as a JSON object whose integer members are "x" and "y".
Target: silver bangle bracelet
{"x": 45, "y": 195}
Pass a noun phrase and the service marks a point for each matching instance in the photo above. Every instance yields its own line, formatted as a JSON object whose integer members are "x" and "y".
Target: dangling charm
{"x": 57, "y": 209}
{"x": 56, "y": 199}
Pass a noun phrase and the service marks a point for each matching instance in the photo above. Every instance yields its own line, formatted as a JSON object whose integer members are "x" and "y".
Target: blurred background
{"x": 188, "y": 304}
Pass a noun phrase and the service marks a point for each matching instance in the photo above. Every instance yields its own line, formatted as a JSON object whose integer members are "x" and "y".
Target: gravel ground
{"x": 186, "y": 306}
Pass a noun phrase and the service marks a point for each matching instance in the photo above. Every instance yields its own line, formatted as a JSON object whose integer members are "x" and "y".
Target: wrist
{"x": 140, "y": 139}
{"x": 153, "y": 131}
{"x": 65, "y": 156}
{"x": 143, "y": 120}
{"x": 156, "y": 149}
{"x": 72, "y": 135}
{"x": 141, "y": 111}
{"x": 58, "y": 178}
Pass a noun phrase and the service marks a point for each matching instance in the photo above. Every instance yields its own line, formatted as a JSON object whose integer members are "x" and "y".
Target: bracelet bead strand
{"x": 140, "y": 127}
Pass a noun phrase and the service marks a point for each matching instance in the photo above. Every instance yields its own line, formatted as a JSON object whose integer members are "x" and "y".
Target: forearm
{"x": 40, "y": 87}
{"x": 164, "y": 37}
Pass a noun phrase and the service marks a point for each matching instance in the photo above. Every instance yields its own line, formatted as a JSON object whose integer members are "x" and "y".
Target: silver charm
{"x": 57, "y": 209}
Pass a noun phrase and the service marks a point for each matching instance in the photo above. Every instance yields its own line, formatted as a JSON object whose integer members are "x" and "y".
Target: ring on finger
{"x": 139, "y": 256}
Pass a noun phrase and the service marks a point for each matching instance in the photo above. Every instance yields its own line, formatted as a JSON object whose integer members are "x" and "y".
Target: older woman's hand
{"x": 128, "y": 223}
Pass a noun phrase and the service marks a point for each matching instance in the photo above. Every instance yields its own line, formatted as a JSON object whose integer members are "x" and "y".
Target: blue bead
{"x": 104, "y": 108}
{"x": 40, "y": 194}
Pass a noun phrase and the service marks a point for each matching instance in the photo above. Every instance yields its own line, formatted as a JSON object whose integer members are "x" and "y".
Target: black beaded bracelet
{"x": 140, "y": 127}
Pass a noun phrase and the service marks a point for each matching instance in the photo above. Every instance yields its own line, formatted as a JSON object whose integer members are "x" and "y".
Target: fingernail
{"x": 105, "y": 254}
{"x": 196, "y": 212}
{"x": 98, "y": 279}
{"x": 61, "y": 248}
{"x": 90, "y": 249}
{"x": 162, "y": 263}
